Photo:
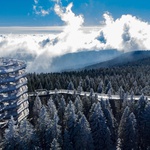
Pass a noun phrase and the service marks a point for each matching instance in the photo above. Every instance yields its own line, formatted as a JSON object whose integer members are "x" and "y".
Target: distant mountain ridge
{"x": 73, "y": 61}
{"x": 141, "y": 62}
{"x": 129, "y": 58}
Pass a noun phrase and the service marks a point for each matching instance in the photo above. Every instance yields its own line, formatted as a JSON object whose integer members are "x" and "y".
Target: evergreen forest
{"x": 130, "y": 79}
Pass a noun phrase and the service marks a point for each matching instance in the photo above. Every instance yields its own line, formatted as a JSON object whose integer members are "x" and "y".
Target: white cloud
{"x": 36, "y": 1}
{"x": 44, "y": 12}
{"x": 68, "y": 16}
{"x": 73, "y": 38}
{"x": 126, "y": 33}
{"x": 39, "y": 10}
{"x": 138, "y": 33}
{"x": 56, "y": 1}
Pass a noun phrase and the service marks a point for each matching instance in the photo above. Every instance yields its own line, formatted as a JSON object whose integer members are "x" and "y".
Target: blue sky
{"x": 20, "y": 12}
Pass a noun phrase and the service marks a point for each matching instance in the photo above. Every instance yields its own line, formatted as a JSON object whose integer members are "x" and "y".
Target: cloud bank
{"x": 126, "y": 33}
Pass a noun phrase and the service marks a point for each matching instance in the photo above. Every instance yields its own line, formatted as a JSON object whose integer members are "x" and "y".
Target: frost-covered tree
{"x": 87, "y": 83}
{"x": 127, "y": 131}
{"x": 100, "y": 87}
{"x": 27, "y": 138}
{"x": 96, "y": 98}
{"x": 55, "y": 145}
{"x": 109, "y": 93}
{"x": 93, "y": 99}
{"x": 69, "y": 109}
{"x": 78, "y": 104}
{"x": 51, "y": 108}
{"x": 131, "y": 102}
{"x": 100, "y": 131}
{"x": 79, "y": 115}
{"x": 139, "y": 112}
{"x": 79, "y": 89}
{"x": 40, "y": 86}
{"x": 11, "y": 138}
{"x": 86, "y": 104}
{"x": 36, "y": 108}
{"x": 61, "y": 110}
{"x": 141, "y": 104}
{"x": 43, "y": 128}
{"x": 126, "y": 101}
{"x": 67, "y": 144}
{"x": 83, "y": 137}
{"x": 91, "y": 92}
{"x": 108, "y": 87}
{"x": 121, "y": 92}
{"x": 56, "y": 129}
{"x": 110, "y": 120}
{"x": 92, "y": 110}
{"x": 70, "y": 120}
{"x": 146, "y": 128}
{"x": 133, "y": 130}
{"x": 70, "y": 86}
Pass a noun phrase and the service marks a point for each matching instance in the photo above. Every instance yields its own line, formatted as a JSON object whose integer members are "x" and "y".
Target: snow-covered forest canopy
{"x": 73, "y": 122}
{"x": 130, "y": 79}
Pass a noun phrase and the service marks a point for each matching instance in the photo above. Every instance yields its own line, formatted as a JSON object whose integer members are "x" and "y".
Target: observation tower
{"x": 13, "y": 90}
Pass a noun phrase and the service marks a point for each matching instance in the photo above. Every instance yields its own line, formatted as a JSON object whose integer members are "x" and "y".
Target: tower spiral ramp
{"x": 13, "y": 90}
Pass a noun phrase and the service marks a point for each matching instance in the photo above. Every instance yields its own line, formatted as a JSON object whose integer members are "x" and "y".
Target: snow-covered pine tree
{"x": 110, "y": 120}
{"x": 130, "y": 102}
{"x": 100, "y": 131}
{"x": 51, "y": 108}
{"x": 43, "y": 128}
{"x": 79, "y": 89}
{"x": 96, "y": 98}
{"x": 83, "y": 137}
{"x": 91, "y": 92}
{"x": 27, "y": 137}
{"x": 11, "y": 137}
{"x": 127, "y": 131}
{"x": 55, "y": 145}
{"x": 86, "y": 105}
{"x": 134, "y": 131}
{"x": 67, "y": 144}
{"x": 61, "y": 111}
{"x": 78, "y": 104}
{"x": 87, "y": 83}
{"x": 92, "y": 110}
{"x": 108, "y": 87}
{"x": 69, "y": 109}
{"x": 109, "y": 93}
{"x": 100, "y": 87}
{"x": 121, "y": 92}
{"x": 36, "y": 108}
{"x": 56, "y": 129}
{"x": 70, "y": 120}
{"x": 139, "y": 112}
{"x": 70, "y": 86}
{"x": 146, "y": 128}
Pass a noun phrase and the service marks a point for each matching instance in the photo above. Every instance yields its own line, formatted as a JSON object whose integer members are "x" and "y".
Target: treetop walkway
{"x": 43, "y": 92}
